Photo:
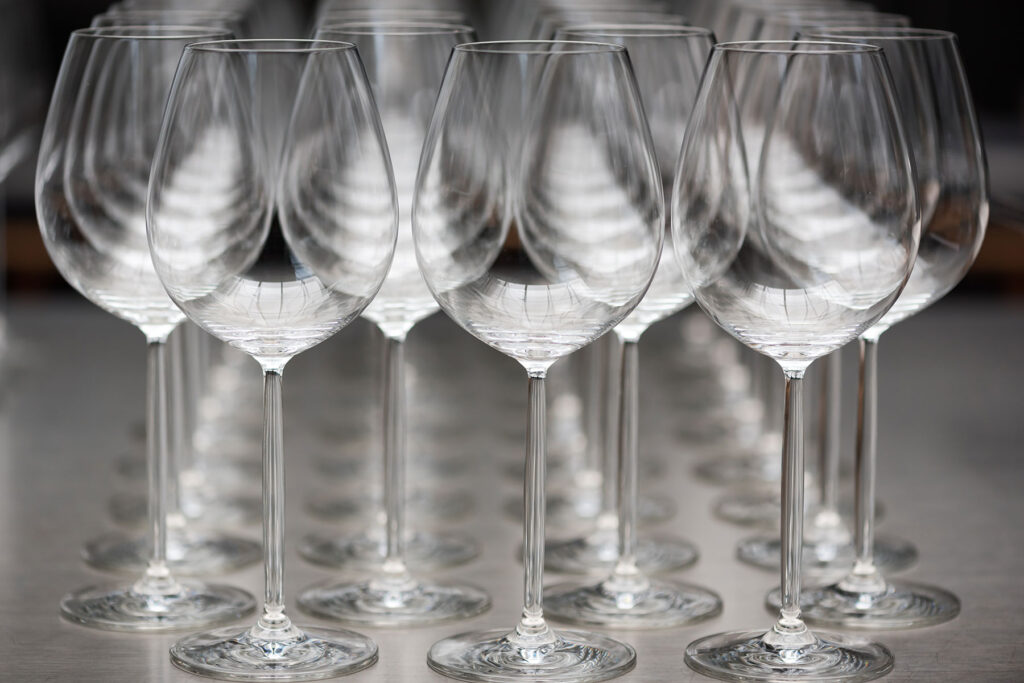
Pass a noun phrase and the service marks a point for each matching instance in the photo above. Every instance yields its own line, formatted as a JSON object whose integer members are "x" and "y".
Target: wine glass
{"x": 538, "y": 221}
{"x": 795, "y": 220}
{"x": 188, "y": 551}
{"x": 668, "y": 62}
{"x": 94, "y": 159}
{"x": 405, "y": 64}
{"x": 226, "y": 19}
{"x": 757, "y": 504}
{"x": 938, "y": 114}
{"x": 272, "y": 223}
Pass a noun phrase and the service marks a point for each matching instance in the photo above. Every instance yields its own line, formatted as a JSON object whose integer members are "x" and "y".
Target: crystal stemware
{"x": 938, "y": 114}
{"x": 668, "y": 62}
{"x": 794, "y": 245}
{"x": 405, "y": 63}
{"x": 94, "y": 161}
{"x": 539, "y": 222}
{"x": 272, "y": 222}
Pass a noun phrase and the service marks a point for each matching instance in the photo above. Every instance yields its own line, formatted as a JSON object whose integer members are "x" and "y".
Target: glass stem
{"x": 532, "y": 631}
{"x": 831, "y": 419}
{"x": 864, "y": 578}
{"x": 625, "y": 569}
{"x": 608, "y": 519}
{"x": 178, "y": 460}
{"x": 394, "y": 458}
{"x": 789, "y": 631}
{"x": 157, "y": 580}
{"x": 273, "y": 623}
{"x": 827, "y": 530}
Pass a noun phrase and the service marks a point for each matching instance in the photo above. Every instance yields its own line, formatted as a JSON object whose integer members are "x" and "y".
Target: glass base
{"x": 647, "y": 467}
{"x": 827, "y": 559}
{"x": 761, "y": 506}
{"x": 423, "y": 551}
{"x": 124, "y": 608}
{"x": 188, "y": 554}
{"x": 744, "y": 656}
{"x": 657, "y": 604}
{"x": 132, "y": 509}
{"x": 307, "y": 655}
{"x": 903, "y": 605}
{"x": 423, "y": 505}
{"x": 573, "y": 656}
{"x": 406, "y": 603}
{"x": 599, "y": 552}
{"x": 565, "y": 512}
{"x": 341, "y": 468}
{"x": 730, "y": 469}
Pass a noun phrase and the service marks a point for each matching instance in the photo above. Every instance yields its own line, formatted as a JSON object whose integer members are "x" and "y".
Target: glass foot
{"x": 403, "y": 603}
{"x": 655, "y": 604}
{"x": 902, "y": 605}
{"x": 423, "y": 551}
{"x": 341, "y": 468}
{"x": 574, "y": 656}
{"x": 827, "y": 559}
{"x": 760, "y": 506}
{"x": 131, "y": 509}
{"x": 125, "y": 608}
{"x": 302, "y": 655}
{"x": 730, "y": 469}
{"x": 188, "y": 554}
{"x": 566, "y": 512}
{"x": 744, "y": 656}
{"x": 599, "y": 552}
{"x": 425, "y": 505}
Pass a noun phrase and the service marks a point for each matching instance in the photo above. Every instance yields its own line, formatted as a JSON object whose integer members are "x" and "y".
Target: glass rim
{"x": 271, "y": 46}
{"x": 394, "y": 11}
{"x": 785, "y": 47}
{"x": 635, "y": 30}
{"x": 880, "y": 32}
{"x": 394, "y": 27}
{"x": 509, "y": 47}
{"x": 151, "y": 32}
{"x": 154, "y": 11}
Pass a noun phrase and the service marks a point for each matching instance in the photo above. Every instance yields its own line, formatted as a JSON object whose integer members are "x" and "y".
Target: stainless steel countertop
{"x": 952, "y": 425}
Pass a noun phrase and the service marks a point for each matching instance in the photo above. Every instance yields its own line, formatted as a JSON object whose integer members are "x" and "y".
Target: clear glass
{"x": 272, "y": 220}
{"x": 228, "y": 20}
{"x": 668, "y": 63}
{"x": 392, "y": 596}
{"x": 94, "y": 160}
{"x": 828, "y": 548}
{"x": 539, "y": 222}
{"x": 794, "y": 245}
{"x": 190, "y": 551}
{"x": 938, "y": 114}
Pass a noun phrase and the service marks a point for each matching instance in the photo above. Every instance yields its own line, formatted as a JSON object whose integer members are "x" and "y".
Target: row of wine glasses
{"x": 290, "y": 235}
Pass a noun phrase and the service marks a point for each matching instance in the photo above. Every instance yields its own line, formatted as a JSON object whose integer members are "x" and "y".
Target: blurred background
{"x": 33, "y": 36}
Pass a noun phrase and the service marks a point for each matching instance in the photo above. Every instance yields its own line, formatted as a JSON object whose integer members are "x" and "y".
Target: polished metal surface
{"x": 951, "y": 467}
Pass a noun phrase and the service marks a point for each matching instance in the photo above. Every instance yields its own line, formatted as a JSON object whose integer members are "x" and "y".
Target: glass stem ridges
{"x": 157, "y": 579}
{"x": 273, "y": 623}
{"x": 532, "y": 632}
{"x": 395, "y": 570}
{"x": 789, "y": 632}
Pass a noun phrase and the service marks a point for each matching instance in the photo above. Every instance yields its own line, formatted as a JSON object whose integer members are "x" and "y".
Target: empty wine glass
{"x": 668, "y": 61}
{"x": 952, "y": 182}
{"x": 94, "y": 160}
{"x": 189, "y": 551}
{"x": 405, "y": 64}
{"x": 272, "y": 222}
{"x": 795, "y": 220}
{"x": 538, "y": 222}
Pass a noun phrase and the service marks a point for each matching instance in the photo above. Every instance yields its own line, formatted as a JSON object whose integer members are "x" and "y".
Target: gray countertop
{"x": 951, "y": 464}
